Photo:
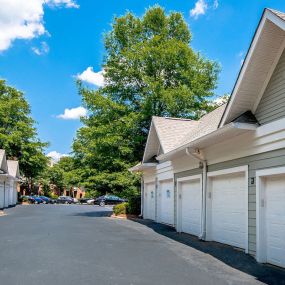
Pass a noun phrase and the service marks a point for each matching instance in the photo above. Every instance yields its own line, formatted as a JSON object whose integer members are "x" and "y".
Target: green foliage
{"x": 63, "y": 174}
{"x": 120, "y": 209}
{"x": 150, "y": 69}
{"x": 24, "y": 199}
{"x": 52, "y": 195}
{"x": 134, "y": 205}
{"x": 18, "y": 135}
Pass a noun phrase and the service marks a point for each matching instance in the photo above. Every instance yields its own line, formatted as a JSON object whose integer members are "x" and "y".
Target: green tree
{"x": 18, "y": 135}
{"x": 149, "y": 69}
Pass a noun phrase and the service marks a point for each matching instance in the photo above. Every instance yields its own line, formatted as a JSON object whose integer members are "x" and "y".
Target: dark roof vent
{"x": 246, "y": 117}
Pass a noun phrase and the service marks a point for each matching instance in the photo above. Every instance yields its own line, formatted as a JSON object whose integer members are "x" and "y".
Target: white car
{"x": 90, "y": 201}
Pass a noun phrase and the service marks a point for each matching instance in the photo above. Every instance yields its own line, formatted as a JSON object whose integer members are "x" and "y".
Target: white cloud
{"x": 56, "y": 156}
{"x": 241, "y": 56}
{"x": 95, "y": 78}
{"x": 200, "y": 9}
{"x": 43, "y": 49}
{"x": 216, "y": 4}
{"x": 62, "y": 3}
{"x": 73, "y": 113}
{"x": 24, "y": 19}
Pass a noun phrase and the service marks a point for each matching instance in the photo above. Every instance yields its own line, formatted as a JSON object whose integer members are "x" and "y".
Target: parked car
{"x": 75, "y": 200}
{"x": 108, "y": 200}
{"x": 91, "y": 201}
{"x": 46, "y": 200}
{"x": 37, "y": 200}
{"x": 30, "y": 199}
{"x": 84, "y": 200}
{"x": 64, "y": 200}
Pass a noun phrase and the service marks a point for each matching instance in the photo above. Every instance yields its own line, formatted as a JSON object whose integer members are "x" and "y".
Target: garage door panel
{"x": 275, "y": 219}
{"x": 228, "y": 209}
{"x": 191, "y": 199}
{"x": 166, "y": 202}
{"x": 149, "y": 205}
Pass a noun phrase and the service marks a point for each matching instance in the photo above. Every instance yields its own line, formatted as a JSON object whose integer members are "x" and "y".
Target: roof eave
{"x": 142, "y": 167}
{"x": 239, "y": 127}
{"x": 266, "y": 15}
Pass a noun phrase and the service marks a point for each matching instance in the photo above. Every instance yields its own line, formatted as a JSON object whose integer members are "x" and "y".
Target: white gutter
{"x": 142, "y": 166}
{"x": 204, "y": 191}
{"x": 217, "y": 133}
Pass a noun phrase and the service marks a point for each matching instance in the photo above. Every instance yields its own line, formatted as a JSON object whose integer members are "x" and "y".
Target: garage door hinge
{"x": 209, "y": 195}
{"x": 262, "y": 203}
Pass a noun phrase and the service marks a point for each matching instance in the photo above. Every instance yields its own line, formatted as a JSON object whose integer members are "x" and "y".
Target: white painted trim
{"x": 269, "y": 75}
{"x": 260, "y": 218}
{"x": 189, "y": 178}
{"x": 243, "y": 69}
{"x": 161, "y": 179}
{"x": 243, "y": 168}
{"x": 212, "y": 174}
{"x": 208, "y": 137}
{"x": 268, "y": 15}
{"x": 179, "y": 200}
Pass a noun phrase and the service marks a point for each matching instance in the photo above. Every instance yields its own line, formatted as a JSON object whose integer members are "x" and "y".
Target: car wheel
{"x": 66, "y": 202}
{"x": 102, "y": 204}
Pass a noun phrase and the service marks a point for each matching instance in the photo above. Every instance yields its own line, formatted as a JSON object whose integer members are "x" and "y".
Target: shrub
{"x": 134, "y": 205}
{"x": 53, "y": 196}
{"x": 24, "y": 199}
{"x": 120, "y": 209}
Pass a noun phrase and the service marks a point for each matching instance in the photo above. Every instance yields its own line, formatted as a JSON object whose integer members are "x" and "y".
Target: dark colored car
{"x": 47, "y": 200}
{"x": 108, "y": 200}
{"x": 64, "y": 200}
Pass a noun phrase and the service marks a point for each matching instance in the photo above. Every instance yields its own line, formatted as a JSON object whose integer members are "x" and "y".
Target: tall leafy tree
{"x": 18, "y": 135}
{"x": 149, "y": 69}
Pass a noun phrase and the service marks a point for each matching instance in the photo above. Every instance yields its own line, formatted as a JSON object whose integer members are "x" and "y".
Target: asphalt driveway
{"x": 77, "y": 244}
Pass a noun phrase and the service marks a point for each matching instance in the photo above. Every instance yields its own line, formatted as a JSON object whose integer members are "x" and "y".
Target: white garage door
{"x": 191, "y": 204}
{"x": 149, "y": 201}
{"x": 7, "y": 188}
{"x": 275, "y": 219}
{"x": 228, "y": 213}
{"x": 2, "y": 202}
{"x": 166, "y": 202}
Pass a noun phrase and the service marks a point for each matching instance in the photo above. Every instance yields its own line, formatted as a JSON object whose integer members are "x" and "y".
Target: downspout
{"x": 142, "y": 197}
{"x": 204, "y": 191}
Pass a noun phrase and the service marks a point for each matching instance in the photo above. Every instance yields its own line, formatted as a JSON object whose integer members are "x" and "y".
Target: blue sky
{"x": 62, "y": 38}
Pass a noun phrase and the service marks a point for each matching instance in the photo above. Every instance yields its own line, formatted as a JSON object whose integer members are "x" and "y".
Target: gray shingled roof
{"x": 174, "y": 132}
{"x": 3, "y": 162}
{"x": 207, "y": 124}
{"x": 171, "y": 131}
{"x": 13, "y": 168}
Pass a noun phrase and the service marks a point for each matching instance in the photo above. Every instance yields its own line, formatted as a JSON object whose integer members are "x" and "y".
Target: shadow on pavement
{"x": 94, "y": 214}
{"x": 227, "y": 254}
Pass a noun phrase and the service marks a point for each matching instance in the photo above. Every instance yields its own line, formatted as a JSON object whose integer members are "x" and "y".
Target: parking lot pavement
{"x": 80, "y": 244}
